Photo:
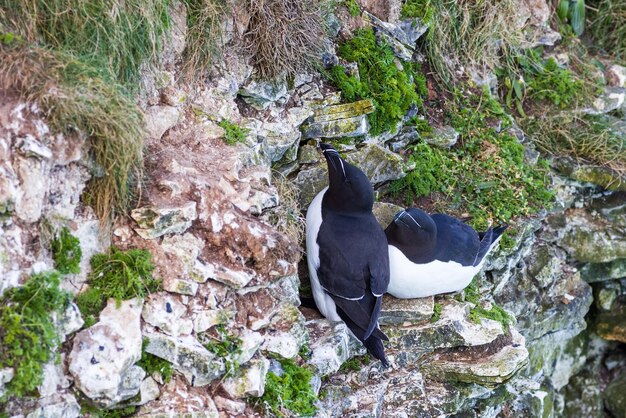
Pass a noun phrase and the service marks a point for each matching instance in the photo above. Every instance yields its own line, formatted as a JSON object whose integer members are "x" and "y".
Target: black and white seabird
{"x": 429, "y": 255}
{"x": 347, "y": 253}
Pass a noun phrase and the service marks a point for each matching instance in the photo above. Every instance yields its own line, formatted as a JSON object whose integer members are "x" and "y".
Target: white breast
{"x": 324, "y": 303}
{"x": 410, "y": 280}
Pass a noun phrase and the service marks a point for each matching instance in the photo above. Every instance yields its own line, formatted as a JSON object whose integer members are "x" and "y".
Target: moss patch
{"x": 437, "y": 307}
{"x": 225, "y": 346}
{"x": 27, "y": 332}
{"x": 66, "y": 252}
{"x": 153, "y": 364}
{"x": 290, "y": 394}
{"x": 117, "y": 274}
{"x": 496, "y": 313}
{"x": 484, "y": 176}
{"x": 95, "y": 412}
{"x": 355, "y": 364}
{"x": 393, "y": 90}
{"x": 233, "y": 133}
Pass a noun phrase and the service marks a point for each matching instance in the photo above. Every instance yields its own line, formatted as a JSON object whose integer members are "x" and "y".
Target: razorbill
{"x": 434, "y": 254}
{"x": 347, "y": 253}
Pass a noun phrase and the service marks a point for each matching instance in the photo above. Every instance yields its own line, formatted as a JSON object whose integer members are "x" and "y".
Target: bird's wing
{"x": 456, "y": 241}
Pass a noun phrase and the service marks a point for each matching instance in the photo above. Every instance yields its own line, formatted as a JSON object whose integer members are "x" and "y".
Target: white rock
{"x": 159, "y": 119}
{"x": 58, "y": 406}
{"x": 180, "y": 286}
{"x": 157, "y": 221}
{"x": 70, "y": 321}
{"x": 199, "y": 366}
{"x": 30, "y": 147}
{"x": 249, "y": 382}
{"x": 103, "y": 354}
{"x": 186, "y": 247}
{"x": 167, "y": 313}
{"x": 233, "y": 278}
{"x": 616, "y": 75}
{"x": 207, "y": 318}
{"x": 6, "y": 375}
{"x": 250, "y": 343}
{"x": 286, "y": 342}
{"x": 34, "y": 184}
{"x": 53, "y": 379}
{"x": 148, "y": 391}
{"x": 332, "y": 349}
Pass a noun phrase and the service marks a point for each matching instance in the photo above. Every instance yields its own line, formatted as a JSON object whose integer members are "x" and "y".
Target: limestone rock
{"x": 207, "y": 318}
{"x": 69, "y": 321}
{"x": 58, "y": 406}
{"x": 308, "y": 154}
{"x": 400, "y": 37}
{"x": 379, "y": 164}
{"x": 250, "y": 343}
{"x": 167, "y": 313}
{"x": 614, "y": 396}
{"x": 601, "y": 176}
{"x": 598, "y": 272}
{"x": 405, "y": 311}
{"x": 612, "y": 99}
{"x": 588, "y": 238}
{"x": 335, "y": 121}
{"x": 233, "y": 278}
{"x": 481, "y": 367}
{"x": 159, "y": 119}
{"x": 611, "y": 325}
{"x": 180, "y": 286}
{"x": 249, "y": 381}
{"x": 385, "y": 212}
{"x": 157, "y": 221}
{"x": 309, "y": 182}
{"x": 616, "y": 75}
{"x": 103, "y": 355}
{"x": 286, "y": 332}
{"x": 260, "y": 94}
{"x": 148, "y": 391}
{"x": 453, "y": 329}
{"x": 199, "y": 366}
{"x": 6, "y": 375}
{"x": 442, "y": 137}
{"x": 389, "y": 11}
{"x": 332, "y": 347}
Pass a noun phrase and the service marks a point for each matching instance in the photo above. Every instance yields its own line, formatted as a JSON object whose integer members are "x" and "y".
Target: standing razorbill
{"x": 434, "y": 254}
{"x": 347, "y": 253}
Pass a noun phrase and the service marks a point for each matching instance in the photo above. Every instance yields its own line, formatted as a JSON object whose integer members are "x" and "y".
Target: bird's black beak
{"x": 332, "y": 156}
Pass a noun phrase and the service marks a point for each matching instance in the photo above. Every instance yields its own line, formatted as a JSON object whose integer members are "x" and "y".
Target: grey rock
{"x": 336, "y": 121}
{"x": 308, "y": 154}
{"x": 157, "y": 221}
{"x": 405, "y": 311}
{"x": 199, "y": 366}
{"x": 616, "y": 75}
{"x": 103, "y": 354}
{"x": 260, "y": 94}
{"x": 69, "y": 321}
{"x": 413, "y": 29}
{"x": 207, "y": 318}
{"x": 167, "y": 313}
{"x": 333, "y": 348}
{"x": 159, "y": 119}
{"x": 58, "y": 406}
{"x": 385, "y": 212}
{"x": 379, "y": 164}
{"x": 148, "y": 391}
{"x": 6, "y": 375}
{"x": 30, "y": 147}
{"x": 614, "y": 396}
{"x": 180, "y": 286}
{"x": 249, "y": 381}
{"x": 282, "y": 340}
{"x": 442, "y": 137}
{"x": 612, "y": 99}
{"x": 309, "y": 182}
{"x": 408, "y": 135}
{"x": 598, "y": 272}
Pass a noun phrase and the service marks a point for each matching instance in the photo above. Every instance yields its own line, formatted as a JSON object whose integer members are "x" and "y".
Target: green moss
{"x": 95, "y": 412}
{"x": 27, "y": 331}
{"x": 118, "y": 41}
{"x": 436, "y": 312}
{"x": 153, "y": 364}
{"x": 472, "y": 292}
{"x": 117, "y": 274}
{"x": 353, "y": 7}
{"x": 417, "y": 8}
{"x": 484, "y": 175}
{"x": 233, "y": 133}
{"x": 225, "y": 346}
{"x": 555, "y": 84}
{"x": 496, "y": 313}
{"x": 421, "y": 126}
{"x": 354, "y": 364}
{"x": 66, "y": 252}
{"x": 290, "y": 394}
{"x": 392, "y": 90}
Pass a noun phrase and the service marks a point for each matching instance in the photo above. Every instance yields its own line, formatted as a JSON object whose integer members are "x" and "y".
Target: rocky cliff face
{"x": 222, "y": 224}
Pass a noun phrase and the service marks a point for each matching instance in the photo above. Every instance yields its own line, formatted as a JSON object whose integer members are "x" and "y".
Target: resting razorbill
{"x": 347, "y": 253}
{"x": 434, "y": 254}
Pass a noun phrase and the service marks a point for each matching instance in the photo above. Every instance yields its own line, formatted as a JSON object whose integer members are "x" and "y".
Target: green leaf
{"x": 562, "y": 10}
{"x": 577, "y": 17}
{"x": 518, "y": 89}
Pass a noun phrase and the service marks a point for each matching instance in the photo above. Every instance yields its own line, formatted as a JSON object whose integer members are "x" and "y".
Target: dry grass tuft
{"x": 285, "y": 36}
{"x": 587, "y": 139}
{"x": 470, "y": 33}
{"x": 75, "y": 96}
{"x": 204, "y": 35}
{"x": 287, "y": 217}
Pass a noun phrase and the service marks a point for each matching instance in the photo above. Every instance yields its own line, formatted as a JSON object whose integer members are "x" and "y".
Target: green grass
{"x": 117, "y": 274}
{"x": 204, "y": 34}
{"x": 153, "y": 364}
{"x": 66, "y": 252}
{"x": 95, "y": 412}
{"x": 608, "y": 27}
{"x": 354, "y": 364}
{"x": 417, "y": 8}
{"x": 290, "y": 394}
{"x": 117, "y": 35}
{"x": 437, "y": 307}
{"x": 587, "y": 139}
{"x": 484, "y": 175}
{"x": 226, "y": 347}
{"x": 476, "y": 34}
{"x": 233, "y": 133}
{"x": 496, "y": 313}
{"x": 353, "y": 7}
{"x": 87, "y": 100}
{"x": 27, "y": 332}
{"x": 392, "y": 90}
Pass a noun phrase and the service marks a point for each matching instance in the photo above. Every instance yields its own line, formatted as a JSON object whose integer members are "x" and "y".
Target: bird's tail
{"x": 487, "y": 239}
{"x": 375, "y": 347}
